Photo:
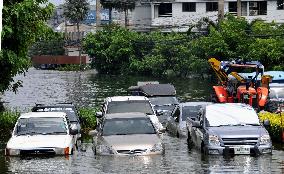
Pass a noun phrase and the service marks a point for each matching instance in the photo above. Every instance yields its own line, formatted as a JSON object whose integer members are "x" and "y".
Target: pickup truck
{"x": 228, "y": 128}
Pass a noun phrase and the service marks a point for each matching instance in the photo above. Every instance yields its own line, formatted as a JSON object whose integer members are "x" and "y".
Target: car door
{"x": 173, "y": 121}
{"x": 199, "y": 131}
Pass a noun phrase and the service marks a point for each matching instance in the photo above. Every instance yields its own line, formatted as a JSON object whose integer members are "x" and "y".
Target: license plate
{"x": 242, "y": 150}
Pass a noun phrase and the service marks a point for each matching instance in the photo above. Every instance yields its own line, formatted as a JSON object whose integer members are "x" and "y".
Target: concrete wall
{"x": 181, "y": 19}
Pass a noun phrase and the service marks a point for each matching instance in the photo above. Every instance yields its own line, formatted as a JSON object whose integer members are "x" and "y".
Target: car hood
{"x": 237, "y": 131}
{"x": 131, "y": 142}
{"x": 37, "y": 141}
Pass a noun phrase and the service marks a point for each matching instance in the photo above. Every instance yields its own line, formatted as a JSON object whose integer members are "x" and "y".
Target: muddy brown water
{"x": 89, "y": 89}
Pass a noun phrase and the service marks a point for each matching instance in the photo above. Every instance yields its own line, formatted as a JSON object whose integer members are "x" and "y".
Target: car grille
{"x": 239, "y": 141}
{"x": 38, "y": 152}
{"x": 135, "y": 151}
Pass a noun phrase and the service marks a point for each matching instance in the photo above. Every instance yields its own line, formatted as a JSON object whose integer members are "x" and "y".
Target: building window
{"x": 211, "y": 6}
{"x": 233, "y": 8}
{"x": 280, "y": 4}
{"x": 188, "y": 7}
{"x": 257, "y": 8}
{"x": 165, "y": 10}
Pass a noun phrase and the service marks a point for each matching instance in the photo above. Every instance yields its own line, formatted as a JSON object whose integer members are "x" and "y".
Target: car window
{"x": 129, "y": 106}
{"x": 163, "y": 100}
{"x": 276, "y": 93}
{"x": 41, "y": 125}
{"x": 189, "y": 111}
{"x": 126, "y": 126}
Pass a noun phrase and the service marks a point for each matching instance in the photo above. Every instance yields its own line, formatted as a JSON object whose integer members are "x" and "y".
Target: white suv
{"x": 125, "y": 104}
{"x": 38, "y": 133}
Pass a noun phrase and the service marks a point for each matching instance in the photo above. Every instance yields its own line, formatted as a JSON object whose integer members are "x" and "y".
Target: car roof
{"x": 126, "y": 98}
{"x": 126, "y": 115}
{"x": 43, "y": 114}
{"x": 155, "y": 89}
{"x": 195, "y": 103}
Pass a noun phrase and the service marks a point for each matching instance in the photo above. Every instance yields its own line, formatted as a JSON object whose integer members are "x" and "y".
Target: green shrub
{"x": 275, "y": 129}
{"x": 88, "y": 118}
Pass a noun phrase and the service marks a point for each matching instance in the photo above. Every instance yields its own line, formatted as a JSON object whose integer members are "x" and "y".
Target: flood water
{"x": 89, "y": 89}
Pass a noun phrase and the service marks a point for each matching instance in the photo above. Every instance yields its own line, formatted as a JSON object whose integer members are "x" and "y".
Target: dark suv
{"x": 69, "y": 108}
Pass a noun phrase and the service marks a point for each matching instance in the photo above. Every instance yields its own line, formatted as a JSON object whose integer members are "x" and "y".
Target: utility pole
{"x": 1, "y": 7}
{"x": 98, "y": 14}
{"x": 220, "y": 10}
{"x": 239, "y": 8}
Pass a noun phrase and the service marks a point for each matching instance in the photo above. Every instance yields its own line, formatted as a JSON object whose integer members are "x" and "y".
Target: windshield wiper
{"x": 120, "y": 134}
{"x": 56, "y": 133}
{"x": 253, "y": 124}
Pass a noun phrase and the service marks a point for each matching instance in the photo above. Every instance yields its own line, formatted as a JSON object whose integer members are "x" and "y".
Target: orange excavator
{"x": 233, "y": 88}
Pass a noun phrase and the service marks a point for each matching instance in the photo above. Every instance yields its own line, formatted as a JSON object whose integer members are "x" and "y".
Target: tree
{"x": 76, "y": 11}
{"x": 122, "y": 5}
{"x": 23, "y": 24}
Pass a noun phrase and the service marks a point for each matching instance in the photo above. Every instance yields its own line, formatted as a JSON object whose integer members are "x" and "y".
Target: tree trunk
{"x": 125, "y": 17}
{"x": 220, "y": 10}
{"x": 98, "y": 14}
{"x": 239, "y": 8}
{"x": 110, "y": 16}
{"x": 79, "y": 44}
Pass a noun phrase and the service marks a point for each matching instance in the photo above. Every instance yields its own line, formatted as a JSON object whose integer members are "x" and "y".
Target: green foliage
{"x": 275, "y": 129}
{"x": 76, "y": 10}
{"x": 23, "y": 24}
{"x": 8, "y": 120}
{"x": 88, "y": 118}
{"x": 117, "y": 50}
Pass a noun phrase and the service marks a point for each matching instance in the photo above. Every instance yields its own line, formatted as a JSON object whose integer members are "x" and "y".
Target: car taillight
{"x": 66, "y": 151}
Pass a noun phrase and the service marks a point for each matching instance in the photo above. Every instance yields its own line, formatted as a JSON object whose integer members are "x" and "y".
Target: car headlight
{"x": 104, "y": 149}
{"x": 157, "y": 147}
{"x": 265, "y": 139}
{"x": 12, "y": 152}
{"x": 214, "y": 140}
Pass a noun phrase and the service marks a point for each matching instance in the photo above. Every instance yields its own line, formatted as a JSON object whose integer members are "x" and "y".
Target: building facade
{"x": 179, "y": 14}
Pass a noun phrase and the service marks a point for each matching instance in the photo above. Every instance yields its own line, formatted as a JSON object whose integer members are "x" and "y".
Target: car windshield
{"x": 276, "y": 93}
{"x": 126, "y": 126}
{"x": 189, "y": 111}
{"x": 129, "y": 106}
{"x": 163, "y": 100}
{"x": 42, "y": 125}
{"x": 71, "y": 114}
{"x": 216, "y": 117}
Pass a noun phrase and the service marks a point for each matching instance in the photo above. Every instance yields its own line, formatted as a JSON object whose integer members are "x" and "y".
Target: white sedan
{"x": 38, "y": 133}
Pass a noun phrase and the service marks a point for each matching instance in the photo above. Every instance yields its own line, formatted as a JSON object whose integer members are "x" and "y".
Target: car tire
{"x": 214, "y": 98}
{"x": 72, "y": 151}
{"x": 271, "y": 106}
{"x": 188, "y": 139}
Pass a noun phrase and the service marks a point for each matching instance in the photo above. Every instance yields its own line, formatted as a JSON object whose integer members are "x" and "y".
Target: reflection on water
{"x": 89, "y": 89}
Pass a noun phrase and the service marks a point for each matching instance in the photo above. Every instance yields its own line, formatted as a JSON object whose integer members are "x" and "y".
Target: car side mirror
{"x": 176, "y": 119}
{"x": 74, "y": 131}
{"x": 196, "y": 124}
{"x": 93, "y": 133}
{"x": 162, "y": 130}
{"x": 159, "y": 112}
{"x": 266, "y": 123}
{"x": 99, "y": 114}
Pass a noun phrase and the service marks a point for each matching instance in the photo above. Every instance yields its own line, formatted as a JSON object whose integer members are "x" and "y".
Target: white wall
{"x": 180, "y": 18}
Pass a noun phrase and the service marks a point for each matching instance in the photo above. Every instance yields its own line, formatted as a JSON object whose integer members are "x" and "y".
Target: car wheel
{"x": 214, "y": 98}
{"x": 72, "y": 151}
